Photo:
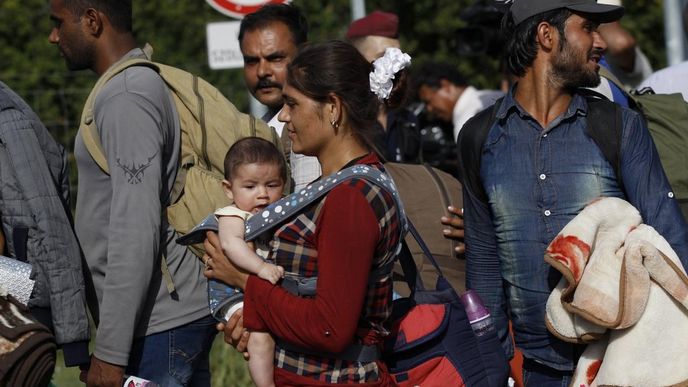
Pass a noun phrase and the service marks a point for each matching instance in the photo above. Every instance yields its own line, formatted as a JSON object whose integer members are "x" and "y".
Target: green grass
{"x": 63, "y": 376}
{"x": 227, "y": 367}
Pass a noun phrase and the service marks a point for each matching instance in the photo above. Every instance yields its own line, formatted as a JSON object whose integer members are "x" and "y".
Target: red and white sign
{"x": 240, "y": 8}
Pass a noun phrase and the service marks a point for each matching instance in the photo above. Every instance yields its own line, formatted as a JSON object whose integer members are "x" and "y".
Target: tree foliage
{"x": 645, "y": 19}
{"x": 428, "y": 31}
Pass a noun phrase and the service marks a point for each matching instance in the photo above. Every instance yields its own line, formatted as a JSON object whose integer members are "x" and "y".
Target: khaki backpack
{"x": 209, "y": 124}
{"x": 666, "y": 116}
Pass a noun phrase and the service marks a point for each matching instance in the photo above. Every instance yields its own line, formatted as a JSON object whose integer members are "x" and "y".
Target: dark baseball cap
{"x": 602, "y": 13}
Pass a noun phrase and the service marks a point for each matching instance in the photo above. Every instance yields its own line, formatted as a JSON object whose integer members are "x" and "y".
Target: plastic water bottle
{"x": 135, "y": 381}
{"x": 491, "y": 352}
{"x": 478, "y": 315}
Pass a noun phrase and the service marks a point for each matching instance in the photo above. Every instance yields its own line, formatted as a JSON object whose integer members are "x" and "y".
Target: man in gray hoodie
{"x": 143, "y": 328}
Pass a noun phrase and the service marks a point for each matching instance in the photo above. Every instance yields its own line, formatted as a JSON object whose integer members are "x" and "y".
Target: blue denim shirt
{"x": 536, "y": 181}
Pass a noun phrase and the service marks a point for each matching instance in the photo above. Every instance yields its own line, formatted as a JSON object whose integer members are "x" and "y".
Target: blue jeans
{"x": 177, "y": 357}
{"x": 539, "y": 375}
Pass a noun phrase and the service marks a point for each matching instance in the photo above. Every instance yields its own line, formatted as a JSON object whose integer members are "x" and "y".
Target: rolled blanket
{"x": 589, "y": 364}
{"x": 656, "y": 344}
{"x": 568, "y": 326}
{"x": 621, "y": 275}
{"x": 592, "y": 275}
{"x": 27, "y": 348}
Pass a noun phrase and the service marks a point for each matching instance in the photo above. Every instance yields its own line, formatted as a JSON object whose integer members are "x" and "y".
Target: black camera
{"x": 437, "y": 148}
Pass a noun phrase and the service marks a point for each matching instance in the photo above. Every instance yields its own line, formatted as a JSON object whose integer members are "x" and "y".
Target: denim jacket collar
{"x": 509, "y": 105}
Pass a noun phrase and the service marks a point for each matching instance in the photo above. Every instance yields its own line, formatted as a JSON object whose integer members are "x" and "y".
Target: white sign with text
{"x": 223, "y": 45}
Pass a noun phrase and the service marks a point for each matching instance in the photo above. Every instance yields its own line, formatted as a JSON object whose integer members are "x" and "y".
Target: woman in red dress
{"x": 346, "y": 239}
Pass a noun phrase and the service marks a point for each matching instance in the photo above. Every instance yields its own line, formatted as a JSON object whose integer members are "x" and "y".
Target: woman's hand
{"x": 235, "y": 334}
{"x": 455, "y": 232}
{"x": 218, "y": 266}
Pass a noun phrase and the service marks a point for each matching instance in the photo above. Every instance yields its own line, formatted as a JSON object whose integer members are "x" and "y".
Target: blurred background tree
{"x": 429, "y": 29}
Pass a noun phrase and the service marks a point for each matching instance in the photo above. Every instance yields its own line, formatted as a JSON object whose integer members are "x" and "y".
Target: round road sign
{"x": 240, "y": 8}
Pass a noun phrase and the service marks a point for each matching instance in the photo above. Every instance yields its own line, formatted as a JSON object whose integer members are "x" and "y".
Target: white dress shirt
{"x": 471, "y": 102}
{"x": 673, "y": 79}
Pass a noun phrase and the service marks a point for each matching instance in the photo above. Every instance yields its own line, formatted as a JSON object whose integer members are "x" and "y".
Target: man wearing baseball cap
{"x": 537, "y": 168}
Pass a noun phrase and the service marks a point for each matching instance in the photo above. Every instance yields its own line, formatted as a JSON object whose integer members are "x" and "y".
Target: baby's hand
{"x": 271, "y": 272}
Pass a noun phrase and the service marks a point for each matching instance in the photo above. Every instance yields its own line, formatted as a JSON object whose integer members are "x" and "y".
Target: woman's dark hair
{"x": 521, "y": 45}
{"x": 336, "y": 67}
{"x": 250, "y": 150}
{"x": 400, "y": 90}
{"x": 118, "y": 11}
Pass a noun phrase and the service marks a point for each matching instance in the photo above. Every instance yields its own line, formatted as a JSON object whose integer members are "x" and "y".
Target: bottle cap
{"x": 475, "y": 309}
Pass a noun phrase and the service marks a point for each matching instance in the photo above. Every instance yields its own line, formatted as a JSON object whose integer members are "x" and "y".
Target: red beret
{"x": 377, "y": 23}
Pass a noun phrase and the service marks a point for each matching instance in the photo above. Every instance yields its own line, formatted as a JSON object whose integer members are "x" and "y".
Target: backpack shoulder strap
{"x": 470, "y": 144}
{"x": 604, "y": 127}
{"x": 605, "y": 73}
{"x": 87, "y": 126}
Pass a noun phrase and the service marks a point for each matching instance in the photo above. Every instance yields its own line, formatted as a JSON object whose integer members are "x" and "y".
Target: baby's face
{"x": 255, "y": 185}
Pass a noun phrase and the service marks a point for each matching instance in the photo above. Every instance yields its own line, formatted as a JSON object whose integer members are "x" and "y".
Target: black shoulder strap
{"x": 604, "y": 127}
{"x": 470, "y": 145}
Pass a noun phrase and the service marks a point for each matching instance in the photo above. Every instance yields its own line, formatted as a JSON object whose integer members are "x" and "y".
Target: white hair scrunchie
{"x": 384, "y": 70}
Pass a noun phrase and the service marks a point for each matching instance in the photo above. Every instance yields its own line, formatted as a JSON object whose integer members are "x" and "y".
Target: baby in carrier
{"x": 255, "y": 174}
